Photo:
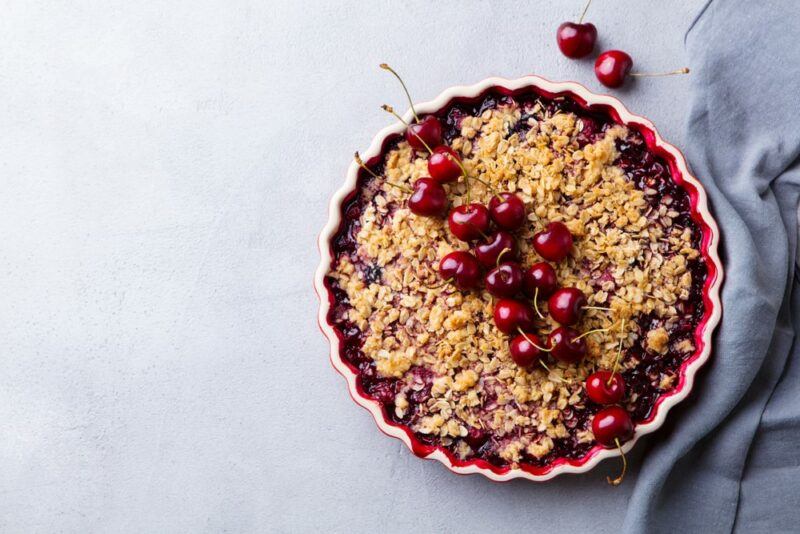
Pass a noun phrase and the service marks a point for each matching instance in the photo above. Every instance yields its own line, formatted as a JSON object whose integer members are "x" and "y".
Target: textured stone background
{"x": 166, "y": 168}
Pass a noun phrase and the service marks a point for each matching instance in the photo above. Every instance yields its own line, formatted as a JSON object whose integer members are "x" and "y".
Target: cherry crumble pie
{"x": 432, "y": 353}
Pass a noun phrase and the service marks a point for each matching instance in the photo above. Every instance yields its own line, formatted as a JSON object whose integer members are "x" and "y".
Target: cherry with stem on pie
{"x": 469, "y": 222}
{"x": 462, "y": 268}
{"x": 611, "y": 427}
{"x": 421, "y": 133}
{"x": 501, "y": 242}
{"x": 428, "y": 198}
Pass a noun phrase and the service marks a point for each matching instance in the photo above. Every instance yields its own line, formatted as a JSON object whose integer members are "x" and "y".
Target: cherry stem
{"x": 619, "y": 354}
{"x": 390, "y": 109}
{"x": 529, "y": 340}
{"x": 549, "y": 372}
{"x": 384, "y": 66}
{"x": 536, "y": 303}
{"x": 585, "y": 9}
{"x": 387, "y": 182}
{"x": 617, "y": 481}
{"x": 442, "y": 284}
{"x": 361, "y": 164}
{"x": 596, "y": 330}
{"x": 684, "y": 70}
{"x": 499, "y": 256}
{"x": 400, "y": 187}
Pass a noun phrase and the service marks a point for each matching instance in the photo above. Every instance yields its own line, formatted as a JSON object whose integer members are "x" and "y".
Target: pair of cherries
{"x": 612, "y": 67}
{"x": 607, "y": 388}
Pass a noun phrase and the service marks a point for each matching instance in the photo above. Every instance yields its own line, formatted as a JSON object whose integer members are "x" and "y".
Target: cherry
{"x": 508, "y": 213}
{"x": 469, "y": 221}
{"x": 605, "y": 387}
{"x": 462, "y": 268}
{"x": 443, "y": 164}
{"x": 525, "y": 349}
{"x": 512, "y": 315}
{"x": 427, "y": 131}
{"x": 566, "y": 345}
{"x": 577, "y": 39}
{"x": 554, "y": 242}
{"x": 612, "y": 424}
{"x": 505, "y": 280}
{"x": 420, "y": 134}
{"x": 476, "y": 438}
{"x": 539, "y": 280}
{"x": 428, "y": 199}
{"x": 612, "y": 67}
{"x": 566, "y": 305}
{"x": 488, "y": 251}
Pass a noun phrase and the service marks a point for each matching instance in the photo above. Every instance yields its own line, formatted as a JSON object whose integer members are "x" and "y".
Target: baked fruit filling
{"x": 593, "y": 302}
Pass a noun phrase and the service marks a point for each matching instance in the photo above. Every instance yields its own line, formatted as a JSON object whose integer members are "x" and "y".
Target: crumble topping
{"x": 451, "y": 378}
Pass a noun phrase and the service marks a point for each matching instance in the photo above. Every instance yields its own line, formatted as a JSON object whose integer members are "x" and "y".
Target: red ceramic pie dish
{"x": 703, "y": 327}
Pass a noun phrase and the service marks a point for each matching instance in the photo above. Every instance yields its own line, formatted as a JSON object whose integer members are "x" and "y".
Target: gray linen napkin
{"x": 731, "y": 457}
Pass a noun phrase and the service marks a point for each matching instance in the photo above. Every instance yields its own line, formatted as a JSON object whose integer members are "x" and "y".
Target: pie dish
{"x": 427, "y": 359}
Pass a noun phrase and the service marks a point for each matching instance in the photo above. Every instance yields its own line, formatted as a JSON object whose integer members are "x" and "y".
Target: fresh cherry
{"x": 612, "y": 424}
{"x": 427, "y": 131}
{"x": 554, "y": 242}
{"x": 469, "y": 222}
{"x": 505, "y": 280}
{"x": 462, "y": 268}
{"x": 566, "y": 305}
{"x": 605, "y": 387}
{"x": 443, "y": 164}
{"x": 612, "y": 67}
{"x": 540, "y": 280}
{"x": 428, "y": 199}
{"x": 488, "y": 251}
{"x": 566, "y": 345}
{"x": 576, "y": 40}
{"x": 525, "y": 350}
{"x": 508, "y": 213}
{"x": 512, "y": 315}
